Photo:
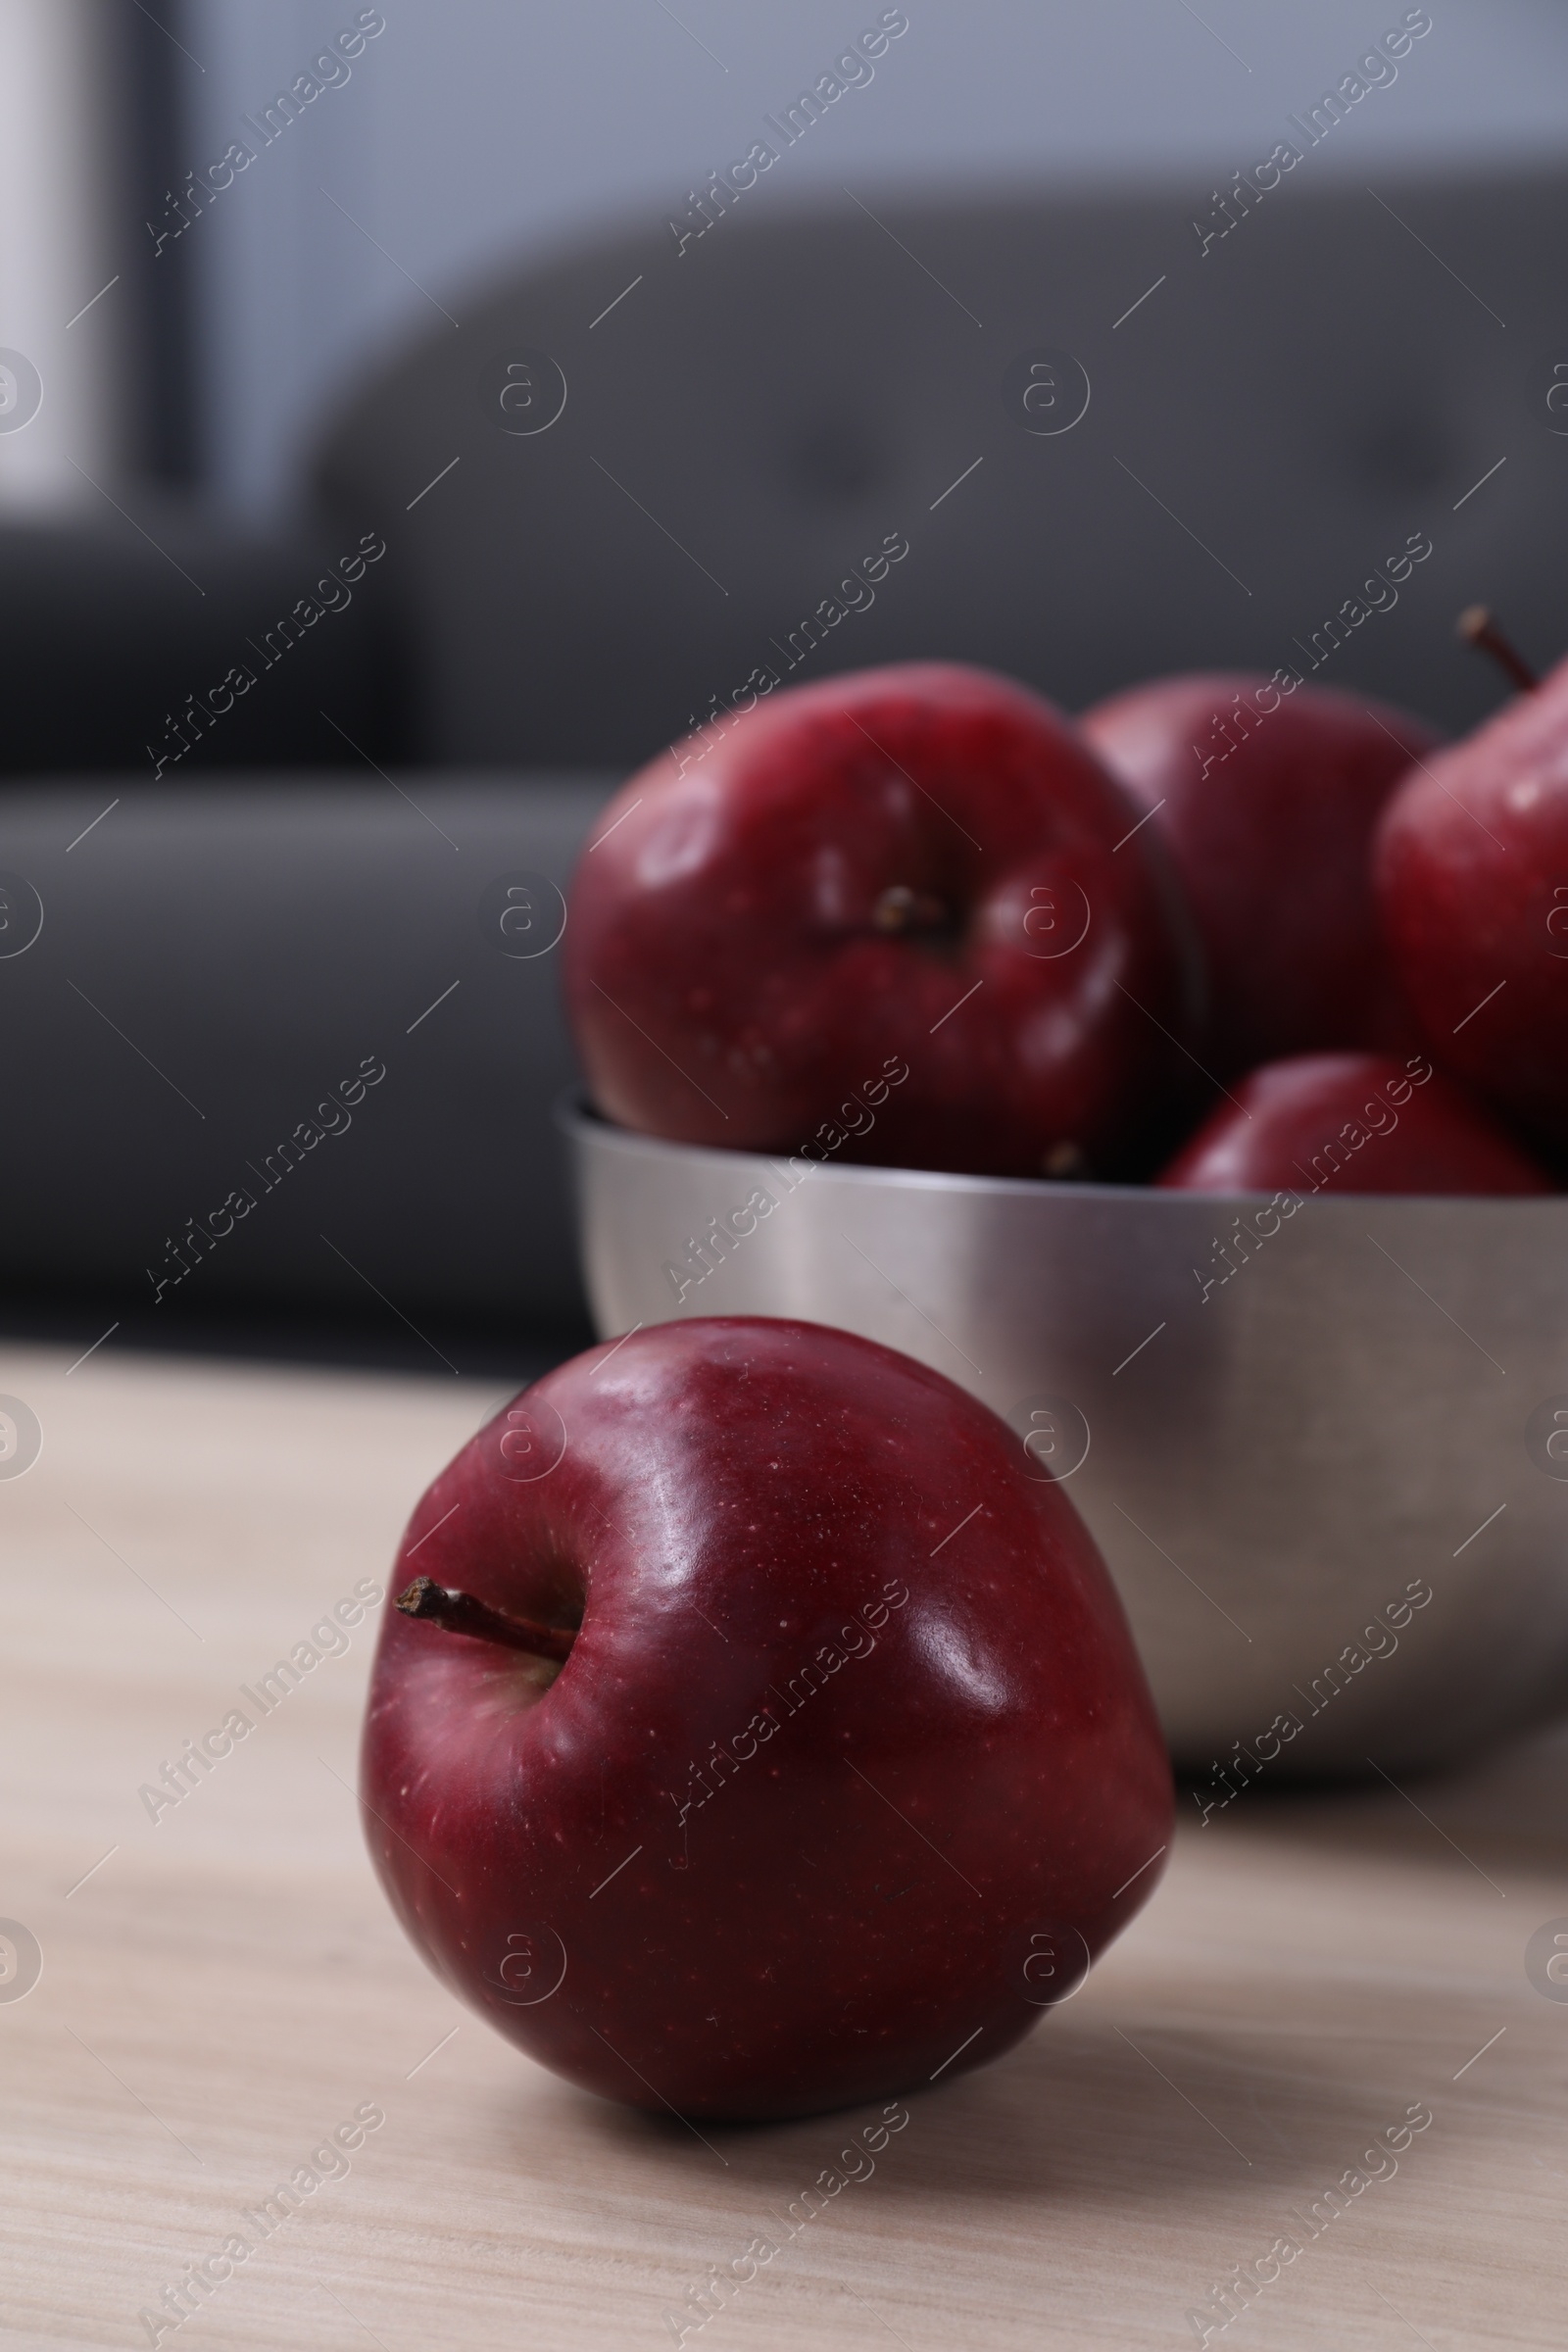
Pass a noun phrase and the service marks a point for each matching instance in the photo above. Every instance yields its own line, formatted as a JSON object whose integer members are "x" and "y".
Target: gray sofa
{"x": 633, "y": 475}
{"x": 1267, "y": 426}
{"x": 192, "y": 1037}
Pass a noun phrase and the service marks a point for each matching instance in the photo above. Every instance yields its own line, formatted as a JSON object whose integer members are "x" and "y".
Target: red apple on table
{"x": 1267, "y": 796}
{"x": 895, "y": 913}
{"x": 1472, "y": 876}
{"x": 1352, "y": 1123}
{"x": 786, "y": 1748}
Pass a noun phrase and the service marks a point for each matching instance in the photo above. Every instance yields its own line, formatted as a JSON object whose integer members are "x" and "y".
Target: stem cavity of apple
{"x": 1477, "y": 628}
{"x": 461, "y": 1613}
{"x": 901, "y": 909}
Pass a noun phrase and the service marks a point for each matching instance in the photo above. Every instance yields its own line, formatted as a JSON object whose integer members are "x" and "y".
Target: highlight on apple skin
{"x": 847, "y": 1771}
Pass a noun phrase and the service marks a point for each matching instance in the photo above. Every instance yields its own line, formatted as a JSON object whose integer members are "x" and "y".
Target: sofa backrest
{"x": 1286, "y": 389}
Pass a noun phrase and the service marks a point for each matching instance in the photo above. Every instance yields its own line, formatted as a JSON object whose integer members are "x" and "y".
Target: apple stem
{"x": 461, "y": 1613}
{"x": 901, "y": 909}
{"x": 1477, "y": 626}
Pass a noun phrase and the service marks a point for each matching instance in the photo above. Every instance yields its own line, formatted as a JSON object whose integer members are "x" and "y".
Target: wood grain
{"x": 227, "y": 1985}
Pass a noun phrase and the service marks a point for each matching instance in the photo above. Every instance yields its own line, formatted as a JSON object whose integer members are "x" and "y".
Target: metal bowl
{"x": 1323, "y": 1444}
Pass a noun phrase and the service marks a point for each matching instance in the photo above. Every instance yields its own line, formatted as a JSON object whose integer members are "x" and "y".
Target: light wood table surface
{"x": 223, "y": 1987}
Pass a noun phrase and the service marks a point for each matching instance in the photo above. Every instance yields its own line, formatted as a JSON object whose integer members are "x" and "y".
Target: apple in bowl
{"x": 914, "y": 884}
{"x": 1471, "y": 866}
{"x": 1354, "y": 1123}
{"x": 1266, "y": 792}
{"x": 759, "y": 1732}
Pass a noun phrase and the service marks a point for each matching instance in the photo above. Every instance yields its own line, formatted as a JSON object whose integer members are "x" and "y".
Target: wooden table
{"x": 223, "y": 1985}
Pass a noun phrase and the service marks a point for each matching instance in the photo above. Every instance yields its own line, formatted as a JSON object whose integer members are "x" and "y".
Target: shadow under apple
{"x": 1086, "y": 2113}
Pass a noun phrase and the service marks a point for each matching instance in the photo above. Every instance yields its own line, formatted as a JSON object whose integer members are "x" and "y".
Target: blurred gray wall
{"x": 469, "y": 133}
